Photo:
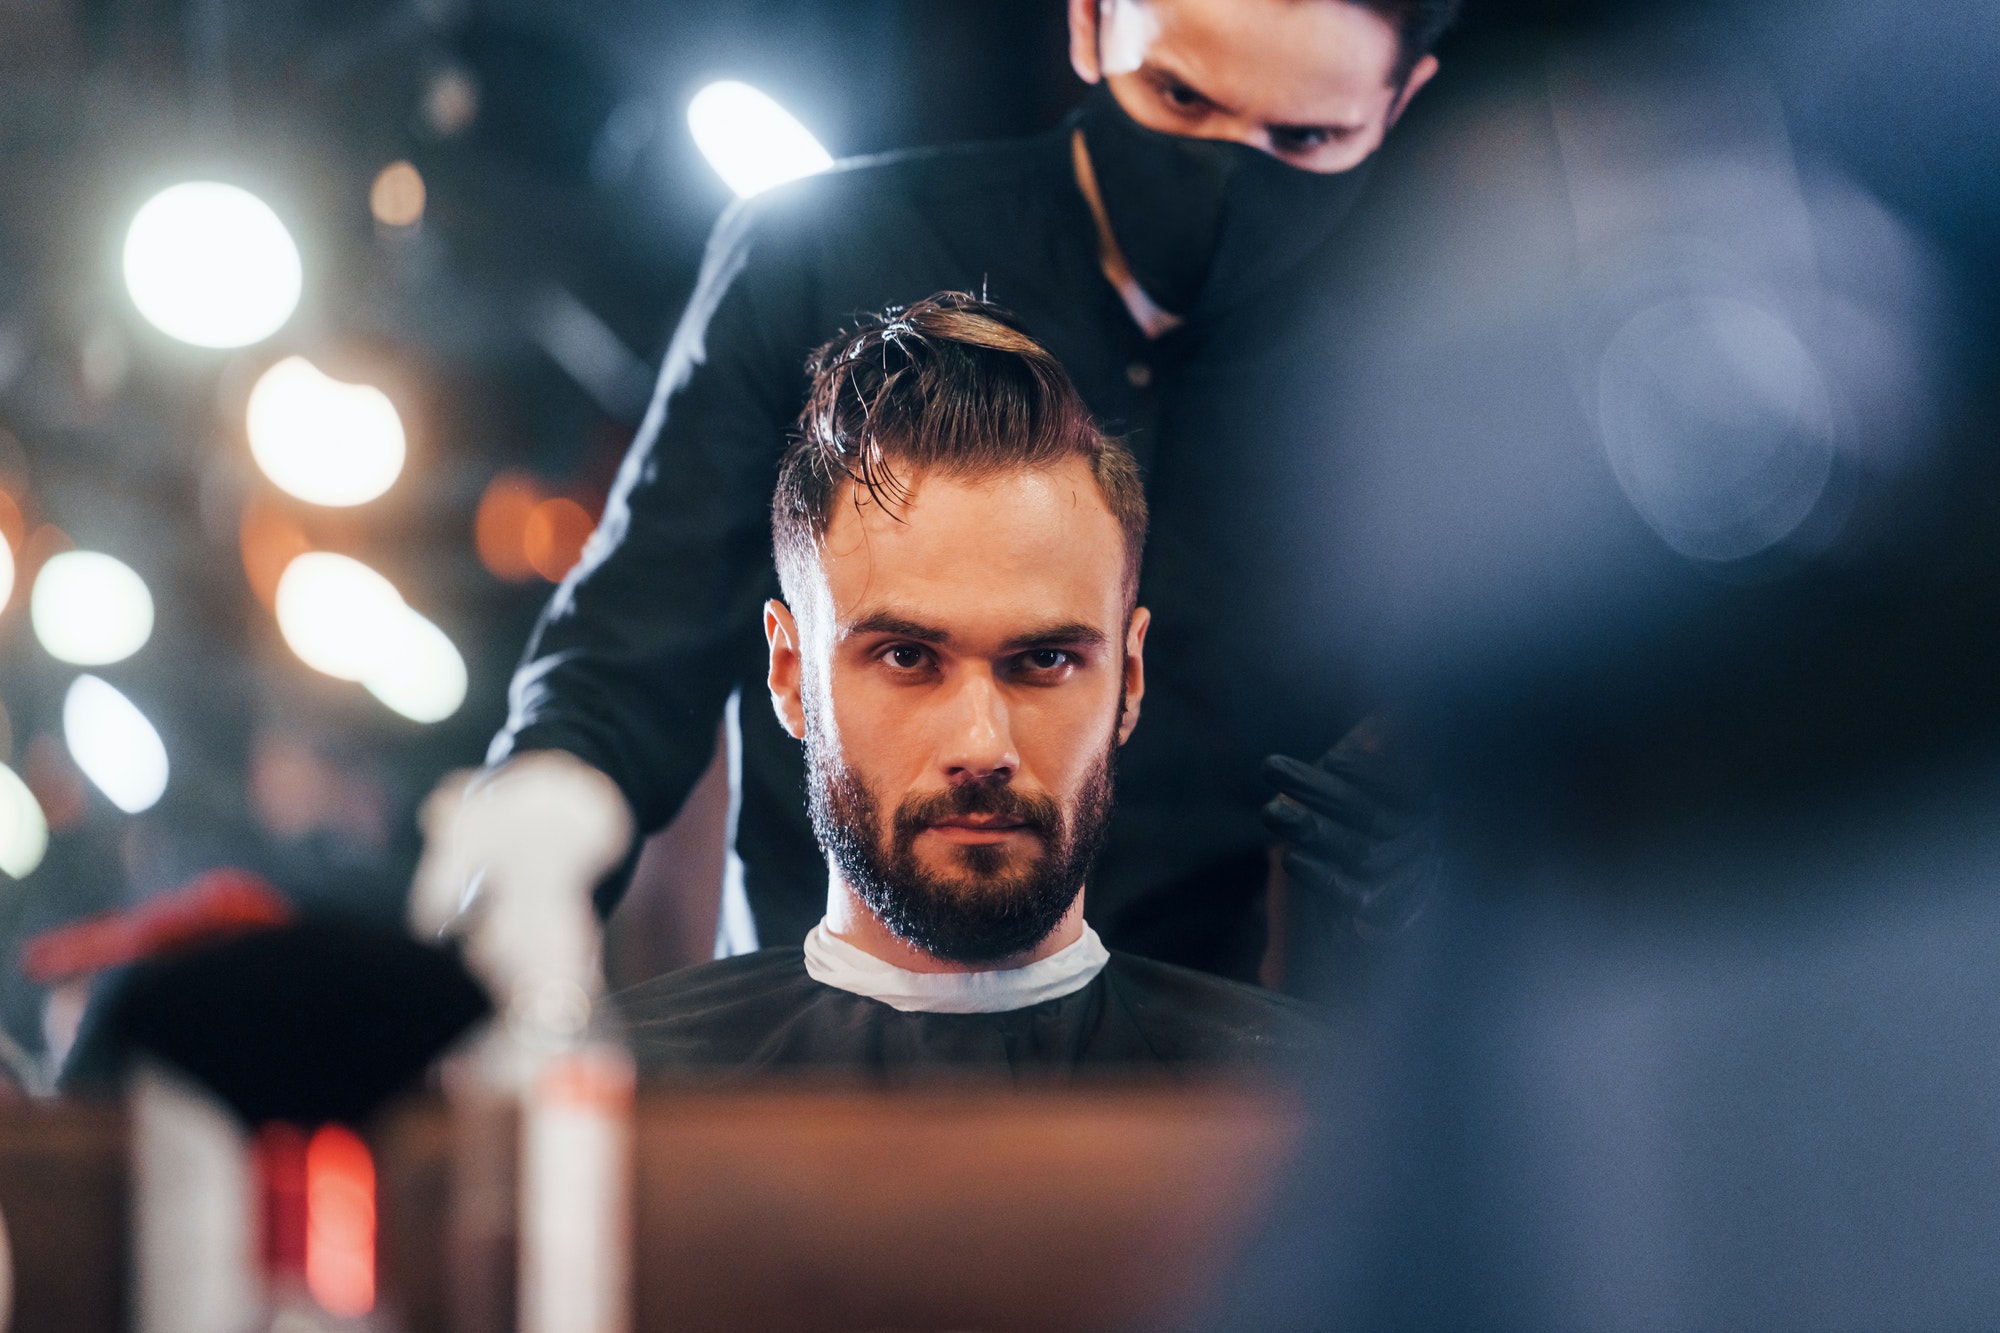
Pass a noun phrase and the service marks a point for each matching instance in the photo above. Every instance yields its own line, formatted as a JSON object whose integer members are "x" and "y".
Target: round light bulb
{"x": 211, "y": 264}
{"x": 114, "y": 745}
{"x": 423, "y": 678}
{"x": 90, "y": 609}
{"x": 751, "y": 141}
{"x": 24, "y": 830}
{"x": 338, "y": 615}
{"x": 321, "y": 440}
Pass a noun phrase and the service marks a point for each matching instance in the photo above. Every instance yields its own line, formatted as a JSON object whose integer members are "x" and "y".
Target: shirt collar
{"x": 835, "y": 962}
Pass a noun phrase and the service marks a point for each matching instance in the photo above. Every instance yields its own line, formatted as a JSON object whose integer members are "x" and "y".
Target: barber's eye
{"x": 1181, "y": 97}
{"x": 1299, "y": 139}
{"x": 905, "y": 657}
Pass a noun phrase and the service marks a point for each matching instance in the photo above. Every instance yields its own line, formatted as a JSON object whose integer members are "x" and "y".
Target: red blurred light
{"x": 500, "y": 530}
{"x": 271, "y": 539}
{"x": 340, "y": 1223}
{"x": 555, "y": 536}
{"x": 281, "y": 1175}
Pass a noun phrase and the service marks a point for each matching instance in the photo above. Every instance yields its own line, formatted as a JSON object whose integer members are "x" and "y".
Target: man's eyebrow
{"x": 1075, "y": 634}
{"x": 885, "y": 622}
{"x": 1332, "y": 129}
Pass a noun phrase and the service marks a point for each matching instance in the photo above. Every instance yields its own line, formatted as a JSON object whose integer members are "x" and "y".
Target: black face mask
{"x": 1205, "y": 223}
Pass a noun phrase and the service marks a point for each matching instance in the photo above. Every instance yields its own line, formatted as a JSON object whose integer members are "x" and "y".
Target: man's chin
{"x": 980, "y": 868}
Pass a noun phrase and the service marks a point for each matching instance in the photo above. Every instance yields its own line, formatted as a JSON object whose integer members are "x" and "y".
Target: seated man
{"x": 960, "y": 649}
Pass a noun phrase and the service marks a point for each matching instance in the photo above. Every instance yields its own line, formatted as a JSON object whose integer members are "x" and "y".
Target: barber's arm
{"x": 1357, "y": 832}
{"x": 613, "y": 710}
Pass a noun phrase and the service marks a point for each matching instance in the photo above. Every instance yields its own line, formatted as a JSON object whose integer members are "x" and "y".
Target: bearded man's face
{"x": 961, "y": 676}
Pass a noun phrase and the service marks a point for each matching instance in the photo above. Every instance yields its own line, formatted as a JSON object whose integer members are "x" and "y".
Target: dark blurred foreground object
{"x": 1686, "y": 574}
{"x": 1357, "y": 833}
{"x": 317, "y": 1021}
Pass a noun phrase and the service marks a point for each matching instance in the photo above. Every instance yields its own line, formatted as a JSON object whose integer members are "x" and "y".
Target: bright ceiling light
{"x": 338, "y": 615}
{"x": 211, "y": 264}
{"x": 751, "y": 141}
{"x": 424, "y": 677}
{"x": 24, "y": 831}
{"x": 114, "y": 745}
{"x": 90, "y": 609}
{"x": 324, "y": 441}
{"x": 344, "y": 619}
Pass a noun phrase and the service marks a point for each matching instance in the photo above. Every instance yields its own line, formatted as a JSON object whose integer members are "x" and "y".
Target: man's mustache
{"x": 993, "y": 797}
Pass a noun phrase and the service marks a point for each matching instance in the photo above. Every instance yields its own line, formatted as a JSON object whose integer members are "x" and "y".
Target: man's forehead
{"x": 978, "y": 556}
{"x": 1301, "y": 62}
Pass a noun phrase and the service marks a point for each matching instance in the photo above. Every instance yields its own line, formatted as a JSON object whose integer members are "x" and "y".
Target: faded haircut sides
{"x": 948, "y": 385}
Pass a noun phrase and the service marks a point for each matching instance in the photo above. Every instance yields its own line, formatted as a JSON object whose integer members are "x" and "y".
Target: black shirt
{"x": 762, "y": 1011}
{"x": 639, "y": 650}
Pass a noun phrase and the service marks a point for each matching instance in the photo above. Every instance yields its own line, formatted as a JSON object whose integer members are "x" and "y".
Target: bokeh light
{"x": 13, "y": 531}
{"x": 397, "y": 196}
{"x": 422, "y": 675}
{"x": 751, "y": 141}
{"x": 24, "y": 830}
{"x": 6, "y": 569}
{"x": 340, "y": 1222}
{"x": 344, "y": 619}
{"x": 337, "y": 614}
{"x": 554, "y": 537}
{"x": 270, "y": 540}
{"x": 90, "y": 609}
{"x": 500, "y": 528}
{"x": 211, "y": 264}
{"x": 114, "y": 745}
{"x": 323, "y": 441}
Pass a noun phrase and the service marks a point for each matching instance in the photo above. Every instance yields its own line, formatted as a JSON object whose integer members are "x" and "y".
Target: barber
{"x": 1153, "y": 244}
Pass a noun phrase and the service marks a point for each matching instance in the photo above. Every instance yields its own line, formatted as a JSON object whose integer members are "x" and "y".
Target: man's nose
{"x": 977, "y": 741}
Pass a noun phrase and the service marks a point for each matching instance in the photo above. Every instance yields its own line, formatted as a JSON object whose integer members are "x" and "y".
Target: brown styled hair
{"x": 950, "y": 384}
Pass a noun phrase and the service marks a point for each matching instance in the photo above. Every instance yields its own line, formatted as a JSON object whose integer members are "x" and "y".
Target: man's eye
{"x": 1047, "y": 659}
{"x": 1181, "y": 97}
{"x": 906, "y": 657}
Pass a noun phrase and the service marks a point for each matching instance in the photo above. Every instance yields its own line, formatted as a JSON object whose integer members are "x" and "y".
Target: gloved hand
{"x": 511, "y": 858}
{"x": 1358, "y": 834}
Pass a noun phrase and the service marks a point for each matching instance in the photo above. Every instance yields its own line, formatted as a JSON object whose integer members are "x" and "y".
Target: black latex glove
{"x": 1358, "y": 832}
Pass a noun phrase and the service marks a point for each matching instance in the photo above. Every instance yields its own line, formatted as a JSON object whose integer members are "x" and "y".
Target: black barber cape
{"x": 762, "y": 1011}
{"x": 636, "y": 656}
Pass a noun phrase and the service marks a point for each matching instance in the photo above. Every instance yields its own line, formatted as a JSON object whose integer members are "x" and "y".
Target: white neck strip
{"x": 834, "y": 962}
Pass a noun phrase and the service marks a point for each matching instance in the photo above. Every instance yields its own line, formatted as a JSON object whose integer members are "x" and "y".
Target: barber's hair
{"x": 1420, "y": 25}
{"x": 950, "y": 386}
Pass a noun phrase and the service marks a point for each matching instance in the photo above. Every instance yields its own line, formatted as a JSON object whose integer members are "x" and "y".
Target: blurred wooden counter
{"x": 969, "y": 1209}
{"x": 64, "y": 1183}
{"x": 771, "y": 1209}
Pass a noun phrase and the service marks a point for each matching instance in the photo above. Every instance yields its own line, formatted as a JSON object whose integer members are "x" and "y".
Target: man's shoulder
{"x": 1190, "y": 1015}
{"x": 694, "y": 1014}
{"x": 993, "y": 167}
{"x": 865, "y": 200}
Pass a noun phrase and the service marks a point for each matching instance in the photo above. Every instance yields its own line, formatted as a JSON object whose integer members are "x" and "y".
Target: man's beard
{"x": 983, "y": 914}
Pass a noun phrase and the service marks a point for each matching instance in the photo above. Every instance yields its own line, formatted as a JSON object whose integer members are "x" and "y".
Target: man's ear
{"x": 781, "y": 631}
{"x": 1422, "y": 73}
{"x": 1083, "y": 40}
{"x": 1135, "y": 670}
